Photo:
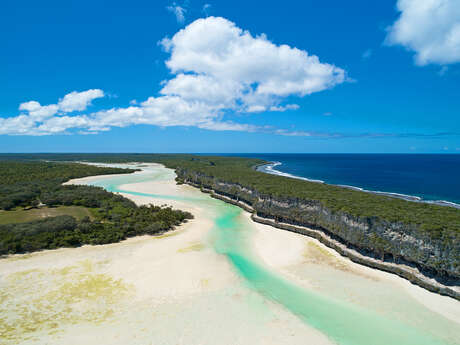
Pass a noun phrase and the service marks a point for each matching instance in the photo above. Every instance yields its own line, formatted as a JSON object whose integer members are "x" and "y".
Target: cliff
{"x": 395, "y": 247}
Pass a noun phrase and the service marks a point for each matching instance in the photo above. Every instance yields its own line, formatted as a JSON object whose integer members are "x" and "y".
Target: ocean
{"x": 420, "y": 177}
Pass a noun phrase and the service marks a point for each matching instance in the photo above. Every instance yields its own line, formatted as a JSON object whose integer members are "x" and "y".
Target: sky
{"x": 219, "y": 76}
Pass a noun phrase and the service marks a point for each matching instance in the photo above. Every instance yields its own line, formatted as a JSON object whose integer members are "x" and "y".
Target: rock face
{"x": 370, "y": 236}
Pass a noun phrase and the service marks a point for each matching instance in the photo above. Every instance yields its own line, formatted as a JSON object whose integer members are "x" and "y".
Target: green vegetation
{"x": 23, "y": 183}
{"x": 436, "y": 221}
{"x": 381, "y": 226}
{"x": 425, "y": 234}
{"x": 74, "y": 215}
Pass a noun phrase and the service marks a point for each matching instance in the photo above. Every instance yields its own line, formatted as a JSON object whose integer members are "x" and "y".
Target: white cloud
{"x": 255, "y": 109}
{"x": 285, "y": 107}
{"x": 430, "y": 28}
{"x": 21, "y": 124}
{"x": 37, "y": 111}
{"x": 61, "y": 124}
{"x": 178, "y": 11}
{"x": 218, "y": 69}
{"x": 204, "y": 88}
{"x": 228, "y": 126}
{"x": 79, "y": 100}
{"x": 216, "y": 47}
{"x": 287, "y": 133}
{"x": 42, "y": 119}
{"x": 71, "y": 102}
{"x": 30, "y": 106}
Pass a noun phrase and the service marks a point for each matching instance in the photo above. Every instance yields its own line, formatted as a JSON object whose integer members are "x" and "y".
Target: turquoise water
{"x": 113, "y": 185}
{"x": 341, "y": 321}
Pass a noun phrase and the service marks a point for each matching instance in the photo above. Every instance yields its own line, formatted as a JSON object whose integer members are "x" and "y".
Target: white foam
{"x": 443, "y": 203}
{"x": 397, "y": 195}
{"x": 269, "y": 169}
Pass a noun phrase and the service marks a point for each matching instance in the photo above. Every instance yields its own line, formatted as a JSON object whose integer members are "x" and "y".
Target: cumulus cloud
{"x": 37, "y": 119}
{"x": 218, "y": 69}
{"x": 71, "y": 102}
{"x": 430, "y": 28}
{"x": 21, "y": 125}
{"x": 203, "y": 88}
{"x": 79, "y": 100}
{"x": 178, "y": 11}
{"x": 216, "y": 47}
{"x": 37, "y": 111}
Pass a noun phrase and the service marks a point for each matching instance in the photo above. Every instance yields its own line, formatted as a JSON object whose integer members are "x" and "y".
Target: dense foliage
{"x": 423, "y": 234}
{"x": 114, "y": 217}
{"x": 437, "y": 221}
{"x": 433, "y": 223}
{"x": 24, "y": 183}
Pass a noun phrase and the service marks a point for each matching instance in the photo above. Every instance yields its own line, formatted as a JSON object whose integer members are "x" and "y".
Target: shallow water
{"x": 397, "y": 319}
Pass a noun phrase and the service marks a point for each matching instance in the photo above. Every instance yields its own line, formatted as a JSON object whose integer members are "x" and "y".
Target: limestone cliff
{"x": 373, "y": 238}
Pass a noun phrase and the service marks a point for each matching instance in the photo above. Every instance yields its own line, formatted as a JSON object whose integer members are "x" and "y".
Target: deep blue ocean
{"x": 430, "y": 177}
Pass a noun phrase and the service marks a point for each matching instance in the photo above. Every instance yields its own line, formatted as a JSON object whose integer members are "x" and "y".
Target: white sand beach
{"x": 308, "y": 261}
{"x": 169, "y": 289}
{"x": 176, "y": 289}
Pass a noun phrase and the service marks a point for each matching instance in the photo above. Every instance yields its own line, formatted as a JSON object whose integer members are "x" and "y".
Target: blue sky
{"x": 93, "y": 76}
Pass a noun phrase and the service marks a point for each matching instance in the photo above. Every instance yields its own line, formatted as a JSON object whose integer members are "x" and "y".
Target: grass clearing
{"x": 22, "y": 216}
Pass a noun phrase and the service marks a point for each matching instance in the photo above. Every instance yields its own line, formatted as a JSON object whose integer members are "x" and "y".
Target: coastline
{"x": 282, "y": 261}
{"x": 268, "y": 168}
{"x": 156, "y": 287}
{"x": 145, "y": 289}
{"x": 410, "y": 274}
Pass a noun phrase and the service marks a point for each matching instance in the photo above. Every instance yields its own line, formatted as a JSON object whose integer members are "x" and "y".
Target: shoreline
{"x": 410, "y": 274}
{"x": 268, "y": 169}
{"x": 159, "y": 286}
{"x": 145, "y": 289}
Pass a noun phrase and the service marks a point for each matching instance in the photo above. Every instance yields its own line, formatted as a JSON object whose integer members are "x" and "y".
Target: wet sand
{"x": 177, "y": 289}
{"x": 169, "y": 289}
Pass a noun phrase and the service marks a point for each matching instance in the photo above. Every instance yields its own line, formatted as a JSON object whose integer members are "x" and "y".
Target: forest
{"x": 31, "y": 184}
{"x": 434, "y": 220}
{"x": 377, "y": 225}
